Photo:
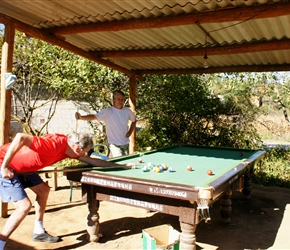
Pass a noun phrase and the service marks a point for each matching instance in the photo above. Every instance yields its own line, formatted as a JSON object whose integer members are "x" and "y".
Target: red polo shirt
{"x": 44, "y": 151}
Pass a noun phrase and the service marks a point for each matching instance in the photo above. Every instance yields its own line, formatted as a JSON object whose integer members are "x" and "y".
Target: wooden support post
{"x": 5, "y": 103}
{"x": 132, "y": 102}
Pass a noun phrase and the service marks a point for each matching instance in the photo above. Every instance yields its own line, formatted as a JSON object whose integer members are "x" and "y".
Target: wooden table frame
{"x": 178, "y": 200}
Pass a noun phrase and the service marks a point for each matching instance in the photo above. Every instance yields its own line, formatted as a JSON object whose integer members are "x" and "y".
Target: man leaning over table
{"x": 20, "y": 160}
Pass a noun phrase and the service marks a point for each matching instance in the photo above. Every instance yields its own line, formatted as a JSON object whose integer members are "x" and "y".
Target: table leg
{"x": 4, "y": 209}
{"x": 187, "y": 236}
{"x": 247, "y": 185}
{"x": 226, "y": 206}
{"x": 93, "y": 224}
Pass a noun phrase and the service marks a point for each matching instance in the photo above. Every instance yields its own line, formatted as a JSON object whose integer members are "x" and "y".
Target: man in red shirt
{"x": 26, "y": 154}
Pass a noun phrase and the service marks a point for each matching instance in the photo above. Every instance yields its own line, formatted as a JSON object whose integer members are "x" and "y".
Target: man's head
{"x": 118, "y": 99}
{"x": 81, "y": 143}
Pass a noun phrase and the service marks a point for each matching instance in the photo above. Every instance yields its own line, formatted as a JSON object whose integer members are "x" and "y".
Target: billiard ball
{"x": 161, "y": 168}
{"x": 145, "y": 169}
{"x": 189, "y": 168}
{"x": 241, "y": 154}
{"x": 157, "y": 169}
{"x": 170, "y": 170}
{"x": 149, "y": 164}
{"x": 164, "y": 166}
{"x": 209, "y": 172}
{"x": 140, "y": 160}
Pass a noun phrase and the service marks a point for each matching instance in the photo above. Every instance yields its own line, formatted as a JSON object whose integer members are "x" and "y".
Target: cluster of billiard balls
{"x": 156, "y": 168}
{"x": 163, "y": 167}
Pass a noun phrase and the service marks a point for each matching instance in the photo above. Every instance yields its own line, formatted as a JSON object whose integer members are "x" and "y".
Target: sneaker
{"x": 45, "y": 237}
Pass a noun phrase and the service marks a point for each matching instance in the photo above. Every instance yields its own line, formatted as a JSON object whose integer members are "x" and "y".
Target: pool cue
{"x": 77, "y": 121}
{"x": 65, "y": 170}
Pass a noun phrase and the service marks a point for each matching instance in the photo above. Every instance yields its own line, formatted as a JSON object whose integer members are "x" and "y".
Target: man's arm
{"x": 132, "y": 126}
{"x": 18, "y": 142}
{"x": 78, "y": 116}
{"x": 102, "y": 163}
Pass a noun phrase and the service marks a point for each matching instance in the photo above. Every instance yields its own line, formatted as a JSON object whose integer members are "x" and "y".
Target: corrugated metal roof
{"x": 219, "y": 34}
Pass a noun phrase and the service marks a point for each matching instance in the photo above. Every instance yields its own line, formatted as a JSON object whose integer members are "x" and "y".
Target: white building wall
{"x": 63, "y": 121}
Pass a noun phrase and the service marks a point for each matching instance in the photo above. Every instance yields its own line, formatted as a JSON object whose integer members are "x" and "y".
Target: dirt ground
{"x": 260, "y": 222}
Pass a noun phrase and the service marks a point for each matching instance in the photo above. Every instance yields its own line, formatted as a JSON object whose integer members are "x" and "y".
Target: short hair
{"x": 84, "y": 140}
{"x": 118, "y": 92}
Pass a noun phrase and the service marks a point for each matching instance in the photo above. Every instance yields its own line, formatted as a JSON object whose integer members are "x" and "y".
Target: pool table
{"x": 173, "y": 188}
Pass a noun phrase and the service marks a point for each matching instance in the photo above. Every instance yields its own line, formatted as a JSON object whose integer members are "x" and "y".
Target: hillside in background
{"x": 274, "y": 129}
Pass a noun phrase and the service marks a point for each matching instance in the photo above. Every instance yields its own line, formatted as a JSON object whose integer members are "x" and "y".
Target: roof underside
{"x": 158, "y": 37}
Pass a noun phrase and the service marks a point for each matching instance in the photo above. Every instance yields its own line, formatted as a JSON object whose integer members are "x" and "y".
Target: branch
{"x": 282, "y": 104}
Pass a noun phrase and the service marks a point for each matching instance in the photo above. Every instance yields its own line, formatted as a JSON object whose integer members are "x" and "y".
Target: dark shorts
{"x": 13, "y": 189}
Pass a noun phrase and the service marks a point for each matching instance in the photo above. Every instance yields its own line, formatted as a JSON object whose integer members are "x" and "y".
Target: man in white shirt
{"x": 116, "y": 118}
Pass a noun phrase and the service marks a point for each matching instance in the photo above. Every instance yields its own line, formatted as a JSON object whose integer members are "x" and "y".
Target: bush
{"x": 182, "y": 110}
{"x": 275, "y": 170}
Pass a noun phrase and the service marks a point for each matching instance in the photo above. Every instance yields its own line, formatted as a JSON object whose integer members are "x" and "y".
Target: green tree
{"x": 268, "y": 91}
{"x": 47, "y": 74}
{"x": 182, "y": 109}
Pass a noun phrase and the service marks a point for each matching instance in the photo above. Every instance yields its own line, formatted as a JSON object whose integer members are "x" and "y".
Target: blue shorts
{"x": 13, "y": 189}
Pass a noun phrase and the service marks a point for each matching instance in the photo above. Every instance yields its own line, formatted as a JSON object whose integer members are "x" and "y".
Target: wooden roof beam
{"x": 211, "y": 70}
{"x": 45, "y": 36}
{"x": 227, "y": 15}
{"x": 283, "y": 44}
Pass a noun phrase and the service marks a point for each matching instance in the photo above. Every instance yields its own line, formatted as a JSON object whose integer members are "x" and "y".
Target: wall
{"x": 63, "y": 121}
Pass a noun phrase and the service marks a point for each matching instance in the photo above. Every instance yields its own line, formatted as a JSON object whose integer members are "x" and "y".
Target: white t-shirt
{"x": 116, "y": 123}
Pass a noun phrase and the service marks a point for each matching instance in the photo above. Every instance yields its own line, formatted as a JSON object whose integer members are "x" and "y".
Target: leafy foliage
{"x": 47, "y": 74}
{"x": 275, "y": 170}
{"x": 182, "y": 110}
{"x": 33, "y": 83}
